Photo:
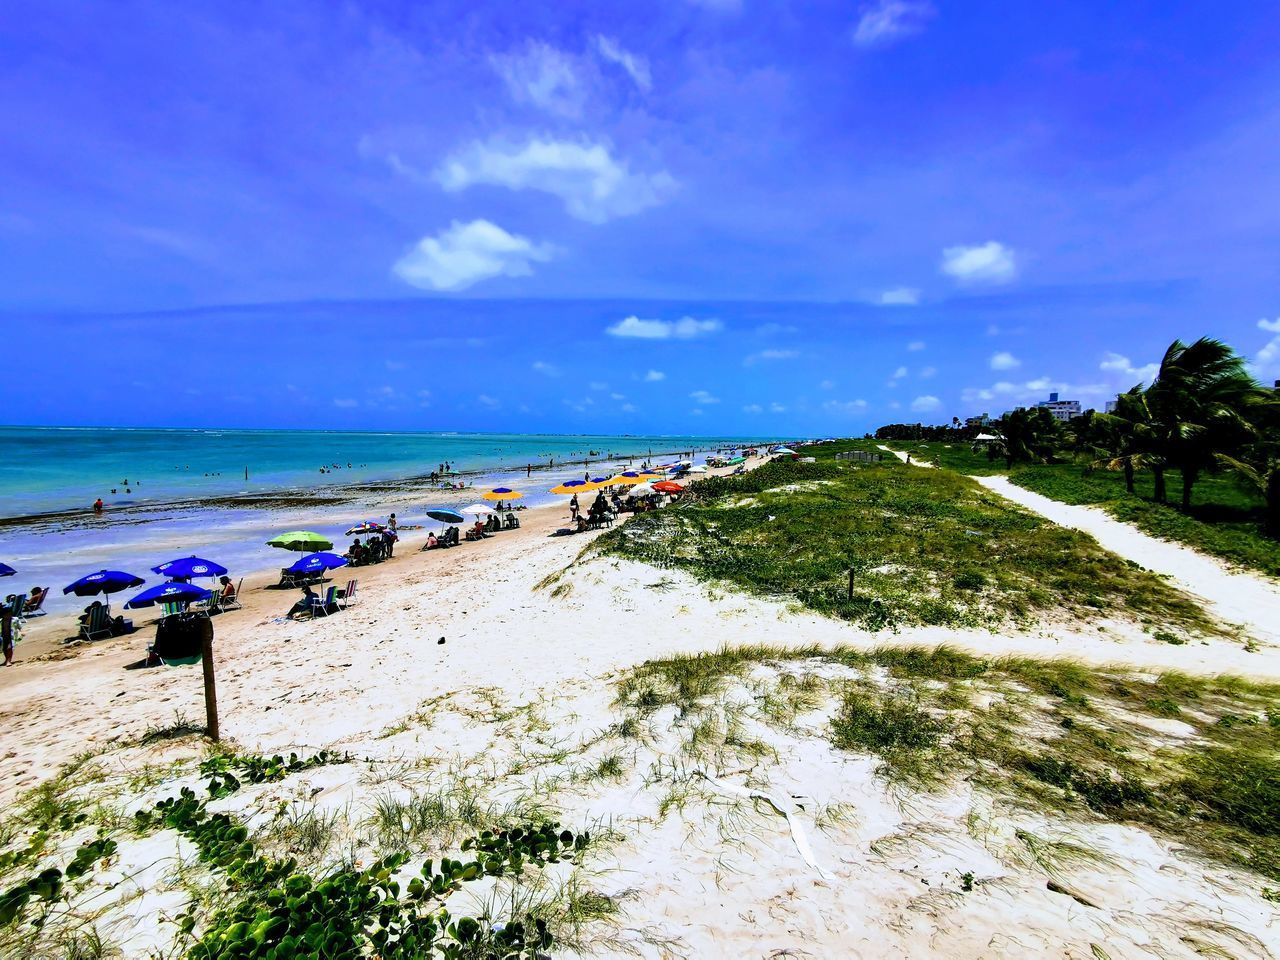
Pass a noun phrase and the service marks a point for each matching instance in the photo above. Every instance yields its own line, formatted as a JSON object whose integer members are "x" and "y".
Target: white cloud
{"x": 1267, "y": 360}
{"x": 467, "y": 253}
{"x": 703, "y": 397}
{"x": 767, "y": 355}
{"x": 592, "y": 184}
{"x": 989, "y": 262}
{"x": 543, "y": 77}
{"x": 686, "y": 328}
{"x": 753, "y": 408}
{"x": 899, "y": 297}
{"x": 915, "y": 346}
{"x": 776, "y": 407}
{"x": 847, "y": 407}
{"x": 887, "y": 21}
{"x": 637, "y": 67}
{"x": 487, "y": 401}
{"x": 653, "y": 376}
{"x": 1038, "y": 389}
{"x": 345, "y": 403}
{"x": 827, "y": 385}
{"x": 925, "y": 404}
{"x": 927, "y": 373}
{"x": 546, "y": 369}
{"x": 1118, "y": 363}
{"x": 898, "y": 374}
{"x": 1004, "y": 360}
{"x": 617, "y": 396}
{"x": 628, "y": 408}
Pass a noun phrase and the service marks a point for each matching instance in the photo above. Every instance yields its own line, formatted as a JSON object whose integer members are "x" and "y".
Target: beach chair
{"x": 210, "y": 607}
{"x": 348, "y": 594}
{"x": 323, "y": 606}
{"x": 232, "y": 602}
{"x": 16, "y": 604}
{"x": 35, "y": 603}
{"x": 172, "y": 609}
{"x": 98, "y": 623}
{"x": 513, "y": 522}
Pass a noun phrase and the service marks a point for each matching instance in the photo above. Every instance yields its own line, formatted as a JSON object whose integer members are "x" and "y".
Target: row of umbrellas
{"x": 184, "y": 569}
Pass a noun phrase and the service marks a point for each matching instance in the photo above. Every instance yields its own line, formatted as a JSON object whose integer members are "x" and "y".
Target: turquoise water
{"x": 51, "y": 469}
{"x": 58, "y": 468}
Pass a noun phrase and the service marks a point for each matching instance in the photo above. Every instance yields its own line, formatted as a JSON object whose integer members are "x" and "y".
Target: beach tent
{"x": 985, "y": 438}
{"x": 188, "y": 567}
{"x": 304, "y": 541}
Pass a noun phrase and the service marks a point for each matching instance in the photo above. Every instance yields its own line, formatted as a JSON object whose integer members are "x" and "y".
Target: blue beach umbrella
{"x": 6, "y": 570}
{"x": 446, "y": 515}
{"x": 598, "y": 480}
{"x": 188, "y": 567}
{"x": 170, "y": 592}
{"x": 317, "y": 563}
{"x": 104, "y": 581}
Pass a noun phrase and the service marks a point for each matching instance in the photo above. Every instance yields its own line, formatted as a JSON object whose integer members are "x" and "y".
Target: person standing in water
{"x": 97, "y": 505}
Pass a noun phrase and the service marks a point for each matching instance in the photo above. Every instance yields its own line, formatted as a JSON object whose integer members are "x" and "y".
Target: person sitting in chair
{"x": 304, "y": 605}
{"x": 228, "y": 591}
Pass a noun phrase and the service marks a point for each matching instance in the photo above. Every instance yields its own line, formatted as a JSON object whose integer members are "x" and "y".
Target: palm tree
{"x": 1199, "y": 403}
{"x": 1025, "y": 436}
{"x": 1128, "y": 439}
{"x": 1258, "y": 466}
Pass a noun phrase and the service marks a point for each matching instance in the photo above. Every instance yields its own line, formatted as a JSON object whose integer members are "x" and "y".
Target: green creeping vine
{"x": 47, "y": 885}
{"x": 258, "y": 769}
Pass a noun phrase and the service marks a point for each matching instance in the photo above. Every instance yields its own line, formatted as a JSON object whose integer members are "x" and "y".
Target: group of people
{"x": 376, "y": 548}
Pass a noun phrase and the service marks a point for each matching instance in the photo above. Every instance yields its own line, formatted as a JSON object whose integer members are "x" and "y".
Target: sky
{"x": 746, "y": 217}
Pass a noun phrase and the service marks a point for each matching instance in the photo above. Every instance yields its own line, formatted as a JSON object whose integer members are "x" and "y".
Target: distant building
{"x": 1061, "y": 409}
{"x": 1111, "y": 406}
{"x": 978, "y": 422}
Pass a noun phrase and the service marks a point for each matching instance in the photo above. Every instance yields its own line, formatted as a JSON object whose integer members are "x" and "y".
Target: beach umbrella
{"x": 476, "y": 509}
{"x": 502, "y": 493}
{"x": 597, "y": 481}
{"x": 170, "y": 592}
{"x": 571, "y": 487}
{"x": 698, "y": 469}
{"x": 304, "y": 541}
{"x": 666, "y": 486}
{"x": 641, "y": 490}
{"x": 785, "y": 451}
{"x": 6, "y": 570}
{"x": 446, "y": 515}
{"x": 623, "y": 479}
{"x": 104, "y": 581}
{"x": 368, "y": 526}
{"x": 188, "y": 567}
{"x": 317, "y": 563}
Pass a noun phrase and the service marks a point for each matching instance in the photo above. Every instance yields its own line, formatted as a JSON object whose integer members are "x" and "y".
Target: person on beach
{"x": 573, "y": 507}
{"x": 97, "y": 505}
{"x": 228, "y": 588}
{"x": 6, "y": 633}
{"x": 309, "y": 599}
{"x": 391, "y": 522}
{"x": 389, "y": 538}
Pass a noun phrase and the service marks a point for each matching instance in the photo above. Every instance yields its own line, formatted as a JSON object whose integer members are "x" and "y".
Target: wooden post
{"x": 210, "y": 689}
{"x": 851, "y": 584}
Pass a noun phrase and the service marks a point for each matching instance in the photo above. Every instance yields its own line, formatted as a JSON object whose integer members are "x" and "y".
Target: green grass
{"x": 1054, "y": 733}
{"x": 1224, "y": 519}
{"x": 925, "y": 547}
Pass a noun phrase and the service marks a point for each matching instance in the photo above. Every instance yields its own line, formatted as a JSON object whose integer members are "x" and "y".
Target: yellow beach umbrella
{"x": 570, "y": 487}
{"x": 624, "y": 479}
{"x": 502, "y": 493}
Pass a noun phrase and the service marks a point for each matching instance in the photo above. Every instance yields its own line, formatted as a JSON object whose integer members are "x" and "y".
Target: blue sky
{"x": 688, "y": 215}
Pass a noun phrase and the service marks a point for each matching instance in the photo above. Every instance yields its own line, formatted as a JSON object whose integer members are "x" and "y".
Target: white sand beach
{"x": 517, "y": 703}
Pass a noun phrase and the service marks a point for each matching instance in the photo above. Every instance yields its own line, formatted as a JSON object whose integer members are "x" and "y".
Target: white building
{"x": 1061, "y": 409}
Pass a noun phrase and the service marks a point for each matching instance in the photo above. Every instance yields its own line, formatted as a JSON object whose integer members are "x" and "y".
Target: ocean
{"x": 172, "y": 493}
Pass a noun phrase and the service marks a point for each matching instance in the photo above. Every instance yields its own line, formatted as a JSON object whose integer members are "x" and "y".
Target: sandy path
{"x": 1236, "y": 596}
{"x": 904, "y": 456}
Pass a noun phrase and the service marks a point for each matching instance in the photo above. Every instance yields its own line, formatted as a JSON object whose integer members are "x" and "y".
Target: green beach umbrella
{"x": 303, "y": 541}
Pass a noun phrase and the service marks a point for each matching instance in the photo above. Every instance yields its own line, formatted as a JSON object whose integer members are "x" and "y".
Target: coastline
{"x": 51, "y": 550}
